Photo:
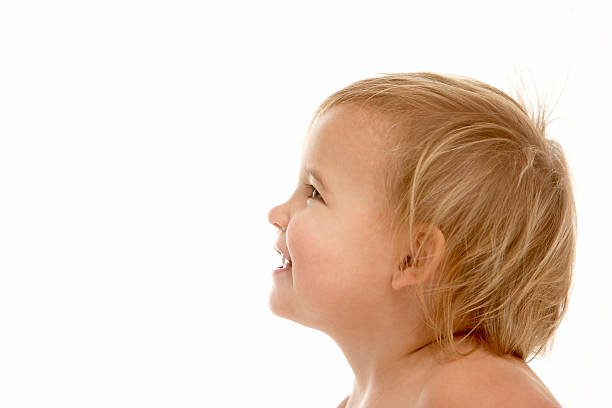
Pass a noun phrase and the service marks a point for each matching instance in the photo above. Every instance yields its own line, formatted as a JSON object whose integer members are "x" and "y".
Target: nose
{"x": 278, "y": 217}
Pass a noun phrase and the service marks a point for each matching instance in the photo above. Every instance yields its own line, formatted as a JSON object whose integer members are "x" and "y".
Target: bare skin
{"x": 480, "y": 379}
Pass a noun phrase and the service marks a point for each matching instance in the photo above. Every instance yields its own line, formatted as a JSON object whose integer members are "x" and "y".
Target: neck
{"x": 383, "y": 366}
{"x": 389, "y": 376}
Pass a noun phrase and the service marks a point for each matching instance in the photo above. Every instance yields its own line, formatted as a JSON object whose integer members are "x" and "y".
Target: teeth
{"x": 286, "y": 262}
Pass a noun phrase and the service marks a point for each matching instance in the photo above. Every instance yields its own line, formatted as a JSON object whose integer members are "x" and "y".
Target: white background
{"x": 142, "y": 144}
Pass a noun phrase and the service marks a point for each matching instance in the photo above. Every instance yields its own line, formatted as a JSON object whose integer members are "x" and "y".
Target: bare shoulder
{"x": 485, "y": 381}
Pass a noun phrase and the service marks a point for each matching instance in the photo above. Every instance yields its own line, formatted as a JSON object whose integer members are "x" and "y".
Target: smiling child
{"x": 432, "y": 236}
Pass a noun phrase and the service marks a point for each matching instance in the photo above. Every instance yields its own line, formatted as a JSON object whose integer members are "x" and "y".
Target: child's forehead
{"x": 347, "y": 141}
{"x": 348, "y": 127}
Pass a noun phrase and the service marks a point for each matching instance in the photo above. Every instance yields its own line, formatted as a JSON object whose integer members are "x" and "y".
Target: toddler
{"x": 432, "y": 236}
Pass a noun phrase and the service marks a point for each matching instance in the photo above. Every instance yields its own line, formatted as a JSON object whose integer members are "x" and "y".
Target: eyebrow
{"x": 317, "y": 176}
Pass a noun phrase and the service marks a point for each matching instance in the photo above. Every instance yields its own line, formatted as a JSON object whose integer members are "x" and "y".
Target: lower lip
{"x": 281, "y": 270}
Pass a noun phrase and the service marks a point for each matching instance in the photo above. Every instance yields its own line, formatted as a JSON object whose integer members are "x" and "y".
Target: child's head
{"x": 441, "y": 184}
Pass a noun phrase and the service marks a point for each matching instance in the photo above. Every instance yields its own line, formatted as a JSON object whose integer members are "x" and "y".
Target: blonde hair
{"x": 468, "y": 159}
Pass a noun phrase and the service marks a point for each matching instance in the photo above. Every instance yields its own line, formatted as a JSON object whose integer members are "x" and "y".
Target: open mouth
{"x": 287, "y": 264}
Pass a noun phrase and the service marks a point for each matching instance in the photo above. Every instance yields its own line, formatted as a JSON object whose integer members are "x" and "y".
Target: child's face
{"x": 342, "y": 263}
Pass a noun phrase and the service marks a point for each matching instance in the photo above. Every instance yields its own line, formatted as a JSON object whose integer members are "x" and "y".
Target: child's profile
{"x": 431, "y": 234}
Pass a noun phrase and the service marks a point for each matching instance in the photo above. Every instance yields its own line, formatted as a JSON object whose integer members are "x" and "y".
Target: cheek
{"x": 319, "y": 262}
{"x": 334, "y": 267}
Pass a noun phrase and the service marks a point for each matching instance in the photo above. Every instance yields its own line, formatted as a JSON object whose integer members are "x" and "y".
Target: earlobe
{"x": 406, "y": 274}
{"x": 411, "y": 271}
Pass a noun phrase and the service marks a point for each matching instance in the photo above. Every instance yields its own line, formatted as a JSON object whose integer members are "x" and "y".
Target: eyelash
{"x": 310, "y": 186}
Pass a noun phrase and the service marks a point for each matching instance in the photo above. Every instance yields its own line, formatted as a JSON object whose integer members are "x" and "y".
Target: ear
{"x": 411, "y": 271}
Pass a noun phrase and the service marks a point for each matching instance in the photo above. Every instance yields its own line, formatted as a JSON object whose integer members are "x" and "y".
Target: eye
{"x": 314, "y": 190}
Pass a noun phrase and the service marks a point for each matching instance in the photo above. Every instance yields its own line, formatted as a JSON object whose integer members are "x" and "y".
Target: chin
{"x": 280, "y": 306}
